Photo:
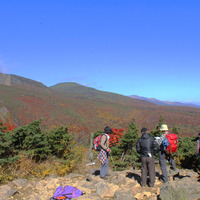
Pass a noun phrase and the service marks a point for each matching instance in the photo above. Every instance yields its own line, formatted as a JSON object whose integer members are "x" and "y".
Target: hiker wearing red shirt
{"x": 163, "y": 156}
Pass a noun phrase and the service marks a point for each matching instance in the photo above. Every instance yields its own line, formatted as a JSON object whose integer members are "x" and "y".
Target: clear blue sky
{"x": 149, "y": 48}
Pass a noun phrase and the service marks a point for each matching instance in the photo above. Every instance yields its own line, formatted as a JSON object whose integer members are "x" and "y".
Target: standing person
{"x": 198, "y": 145}
{"x": 147, "y": 147}
{"x": 103, "y": 154}
{"x": 163, "y": 156}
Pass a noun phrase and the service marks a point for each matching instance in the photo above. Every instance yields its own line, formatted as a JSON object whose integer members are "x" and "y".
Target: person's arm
{"x": 103, "y": 142}
{"x": 198, "y": 146}
{"x": 138, "y": 149}
{"x": 162, "y": 137}
{"x": 154, "y": 146}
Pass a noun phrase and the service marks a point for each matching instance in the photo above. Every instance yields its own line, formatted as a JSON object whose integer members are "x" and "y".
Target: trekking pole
{"x": 113, "y": 161}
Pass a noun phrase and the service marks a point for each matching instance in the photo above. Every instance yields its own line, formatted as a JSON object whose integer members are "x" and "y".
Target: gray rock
{"x": 101, "y": 188}
{"x": 182, "y": 189}
{"x": 92, "y": 196}
{"x": 123, "y": 195}
{"x": 72, "y": 176}
{"x": 88, "y": 185}
{"x": 92, "y": 178}
{"x": 6, "y": 191}
{"x": 117, "y": 180}
{"x": 20, "y": 182}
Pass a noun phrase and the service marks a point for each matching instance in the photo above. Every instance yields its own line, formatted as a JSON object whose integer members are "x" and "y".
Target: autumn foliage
{"x": 7, "y": 127}
{"x": 116, "y": 136}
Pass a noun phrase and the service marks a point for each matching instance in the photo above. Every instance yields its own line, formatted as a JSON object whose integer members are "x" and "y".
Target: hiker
{"x": 147, "y": 148}
{"x": 198, "y": 145}
{"x": 103, "y": 154}
{"x": 163, "y": 156}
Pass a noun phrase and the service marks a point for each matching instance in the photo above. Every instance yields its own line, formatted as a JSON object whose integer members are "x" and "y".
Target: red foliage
{"x": 8, "y": 127}
{"x": 116, "y": 136}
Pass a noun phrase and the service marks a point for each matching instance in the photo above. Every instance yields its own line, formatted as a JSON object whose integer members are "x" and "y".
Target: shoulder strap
{"x": 106, "y": 138}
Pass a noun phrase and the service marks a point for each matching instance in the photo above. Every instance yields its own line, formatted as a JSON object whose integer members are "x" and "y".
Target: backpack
{"x": 97, "y": 143}
{"x": 170, "y": 143}
{"x": 66, "y": 193}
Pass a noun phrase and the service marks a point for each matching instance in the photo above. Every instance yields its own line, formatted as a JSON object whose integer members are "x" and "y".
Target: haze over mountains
{"x": 85, "y": 109}
{"x": 164, "y": 103}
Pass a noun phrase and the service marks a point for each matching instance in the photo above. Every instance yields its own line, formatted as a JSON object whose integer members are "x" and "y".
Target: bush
{"x": 29, "y": 151}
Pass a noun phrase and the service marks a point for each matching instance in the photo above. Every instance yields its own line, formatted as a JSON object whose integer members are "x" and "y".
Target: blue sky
{"x": 149, "y": 48}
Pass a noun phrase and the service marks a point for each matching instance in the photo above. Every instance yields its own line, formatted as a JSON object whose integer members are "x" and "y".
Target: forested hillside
{"x": 84, "y": 109}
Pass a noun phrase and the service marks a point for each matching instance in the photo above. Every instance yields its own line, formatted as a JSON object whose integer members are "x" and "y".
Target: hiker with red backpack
{"x": 168, "y": 145}
{"x": 104, "y": 151}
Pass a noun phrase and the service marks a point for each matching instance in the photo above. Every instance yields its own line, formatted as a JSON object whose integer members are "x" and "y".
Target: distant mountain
{"x": 164, "y": 103}
{"x": 79, "y": 91}
{"x": 21, "y": 82}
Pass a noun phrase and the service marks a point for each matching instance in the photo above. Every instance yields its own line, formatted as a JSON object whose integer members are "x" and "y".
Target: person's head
{"x": 144, "y": 130}
{"x": 164, "y": 128}
{"x": 107, "y": 130}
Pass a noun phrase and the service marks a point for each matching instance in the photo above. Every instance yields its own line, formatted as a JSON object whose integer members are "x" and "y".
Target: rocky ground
{"x": 122, "y": 185}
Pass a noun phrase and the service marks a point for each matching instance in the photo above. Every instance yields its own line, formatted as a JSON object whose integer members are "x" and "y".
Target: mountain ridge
{"x": 86, "y": 109}
{"x": 19, "y": 81}
{"x": 164, "y": 103}
{"x": 70, "y": 87}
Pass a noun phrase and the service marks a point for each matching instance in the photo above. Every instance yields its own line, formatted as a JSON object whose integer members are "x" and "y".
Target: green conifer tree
{"x": 125, "y": 153}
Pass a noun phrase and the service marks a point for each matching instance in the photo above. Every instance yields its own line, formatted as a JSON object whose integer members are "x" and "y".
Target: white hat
{"x": 164, "y": 127}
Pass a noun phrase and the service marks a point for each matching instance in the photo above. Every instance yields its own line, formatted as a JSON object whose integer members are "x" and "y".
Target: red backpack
{"x": 97, "y": 143}
{"x": 173, "y": 140}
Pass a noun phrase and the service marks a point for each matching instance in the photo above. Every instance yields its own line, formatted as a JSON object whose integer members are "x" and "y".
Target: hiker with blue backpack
{"x": 104, "y": 152}
{"x": 168, "y": 144}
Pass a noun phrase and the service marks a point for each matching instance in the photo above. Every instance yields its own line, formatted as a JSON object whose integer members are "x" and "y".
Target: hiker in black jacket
{"x": 147, "y": 148}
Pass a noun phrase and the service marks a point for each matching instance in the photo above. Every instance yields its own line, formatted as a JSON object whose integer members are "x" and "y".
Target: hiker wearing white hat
{"x": 163, "y": 156}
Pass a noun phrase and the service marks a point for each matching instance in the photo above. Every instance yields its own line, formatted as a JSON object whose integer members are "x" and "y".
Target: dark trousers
{"x": 148, "y": 165}
{"x": 162, "y": 159}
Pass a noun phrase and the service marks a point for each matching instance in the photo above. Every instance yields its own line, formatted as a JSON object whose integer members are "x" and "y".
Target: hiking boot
{"x": 104, "y": 178}
{"x": 162, "y": 181}
{"x": 151, "y": 185}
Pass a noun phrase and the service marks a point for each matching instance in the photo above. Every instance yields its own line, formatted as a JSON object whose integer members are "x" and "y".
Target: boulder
{"x": 122, "y": 194}
{"x": 20, "y": 182}
{"x": 6, "y": 191}
{"x": 186, "y": 188}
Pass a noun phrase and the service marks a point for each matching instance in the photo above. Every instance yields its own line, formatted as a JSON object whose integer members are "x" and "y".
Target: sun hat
{"x": 164, "y": 127}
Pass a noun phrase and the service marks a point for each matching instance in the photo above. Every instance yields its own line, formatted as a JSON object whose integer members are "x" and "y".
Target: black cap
{"x": 144, "y": 130}
{"x": 107, "y": 129}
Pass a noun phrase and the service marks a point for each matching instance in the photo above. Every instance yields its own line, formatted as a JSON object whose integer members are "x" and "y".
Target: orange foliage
{"x": 116, "y": 136}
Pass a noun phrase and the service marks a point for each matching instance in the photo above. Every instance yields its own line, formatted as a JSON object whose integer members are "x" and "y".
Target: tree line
{"x": 31, "y": 151}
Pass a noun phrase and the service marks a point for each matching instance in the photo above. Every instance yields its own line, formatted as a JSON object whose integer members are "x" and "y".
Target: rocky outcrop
{"x": 18, "y": 81}
{"x": 184, "y": 187}
{"x": 123, "y": 185}
{"x": 4, "y": 113}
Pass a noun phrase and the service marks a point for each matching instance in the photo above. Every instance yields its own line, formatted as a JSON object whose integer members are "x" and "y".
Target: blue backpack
{"x": 66, "y": 193}
{"x": 165, "y": 144}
